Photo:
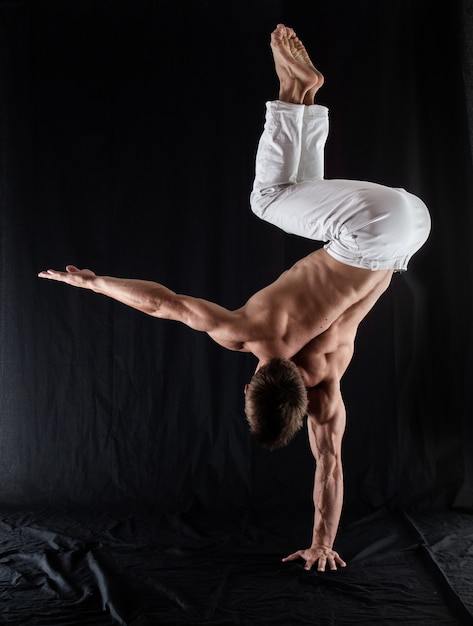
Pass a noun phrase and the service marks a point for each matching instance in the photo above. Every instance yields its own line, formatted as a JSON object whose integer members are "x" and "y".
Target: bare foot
{"x": 299, "y": 79}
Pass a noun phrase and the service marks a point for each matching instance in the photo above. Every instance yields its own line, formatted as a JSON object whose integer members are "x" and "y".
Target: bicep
{"x": 199, "y": 314}
{"x": 326, "y": 426}
{"x": 224, "y": 326}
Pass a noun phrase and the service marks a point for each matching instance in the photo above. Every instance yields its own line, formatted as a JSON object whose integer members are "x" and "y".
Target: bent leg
{"x": 363, "y": 224}
{"x": 279, "y": 148}
{"x": 315, "y": 130}
{"x": 290, "y": 151}
{"x": 291, "y": 148}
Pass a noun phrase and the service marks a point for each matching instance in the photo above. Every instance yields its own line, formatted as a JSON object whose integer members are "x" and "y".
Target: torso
{"x": 314, "y": 295}
{"x": 310, "y": 314}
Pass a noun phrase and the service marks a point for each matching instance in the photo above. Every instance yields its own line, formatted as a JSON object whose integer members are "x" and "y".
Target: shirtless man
{"x": 302, "y": 327}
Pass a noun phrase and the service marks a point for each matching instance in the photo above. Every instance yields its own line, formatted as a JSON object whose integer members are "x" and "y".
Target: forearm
{"x": 328, "y": 497}
{"x": 146, "y": 296}
{"x": 328, "y": 501}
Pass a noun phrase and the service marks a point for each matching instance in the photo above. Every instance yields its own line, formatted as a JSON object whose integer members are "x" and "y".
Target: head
{"x": 275, "y": 403}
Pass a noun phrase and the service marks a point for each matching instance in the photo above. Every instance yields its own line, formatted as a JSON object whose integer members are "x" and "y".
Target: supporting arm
{"x": 326, "y": 426}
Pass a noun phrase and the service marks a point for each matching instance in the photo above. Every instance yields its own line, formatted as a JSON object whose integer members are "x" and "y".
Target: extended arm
{"x": 159, "y": 301}
{"x": 326, "y": 425}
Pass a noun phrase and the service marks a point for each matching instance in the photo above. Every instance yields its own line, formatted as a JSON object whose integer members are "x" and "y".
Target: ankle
{"x": 293, "y": 94}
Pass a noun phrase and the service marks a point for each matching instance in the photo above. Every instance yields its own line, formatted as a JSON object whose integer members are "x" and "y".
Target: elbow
{"x": 163, "y": 305}
{"x": 328, "y": 458}
{"x": 337, "y": 469}
{"x": 331, "y": 464}
{"x": 153, "y": 306}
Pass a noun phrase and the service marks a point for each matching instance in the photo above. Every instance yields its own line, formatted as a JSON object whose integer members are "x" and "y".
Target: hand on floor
{"x": 320, "y": 555}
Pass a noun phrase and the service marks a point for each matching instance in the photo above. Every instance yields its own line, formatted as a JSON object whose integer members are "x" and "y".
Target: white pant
{"x": 362, "y": 223}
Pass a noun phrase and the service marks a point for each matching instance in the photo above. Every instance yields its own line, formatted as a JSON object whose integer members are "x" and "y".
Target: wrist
{"x": 95, "y": 283}
{"x": 318, "y": 544}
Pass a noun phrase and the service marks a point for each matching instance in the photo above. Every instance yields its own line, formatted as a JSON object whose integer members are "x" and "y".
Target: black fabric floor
{"x": 71, "y": 568}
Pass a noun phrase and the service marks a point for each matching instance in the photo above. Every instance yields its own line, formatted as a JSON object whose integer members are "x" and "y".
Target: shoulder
{"x": 236, "y": 331}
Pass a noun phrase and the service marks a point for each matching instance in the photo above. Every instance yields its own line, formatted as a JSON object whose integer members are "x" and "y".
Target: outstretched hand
{"x": 323, "y": 556}
{"x": 72, "y": 276}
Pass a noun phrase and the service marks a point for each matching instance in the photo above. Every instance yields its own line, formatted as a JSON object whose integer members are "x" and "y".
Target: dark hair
{"x": 276, "y": 403}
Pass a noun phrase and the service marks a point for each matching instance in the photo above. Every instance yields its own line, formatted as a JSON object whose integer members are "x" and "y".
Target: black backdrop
{"x": 129, "y": 130}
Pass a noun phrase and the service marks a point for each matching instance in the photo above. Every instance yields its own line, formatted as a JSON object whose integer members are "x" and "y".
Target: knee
{"x": 403, "y": 222}
{"x": 411, "y": 217}
{"x": 258, "y": 202}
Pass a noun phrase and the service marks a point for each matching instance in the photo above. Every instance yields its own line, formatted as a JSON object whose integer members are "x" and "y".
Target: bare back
{"x": 327, "y": 356}
{"x": 312, "y": 308}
